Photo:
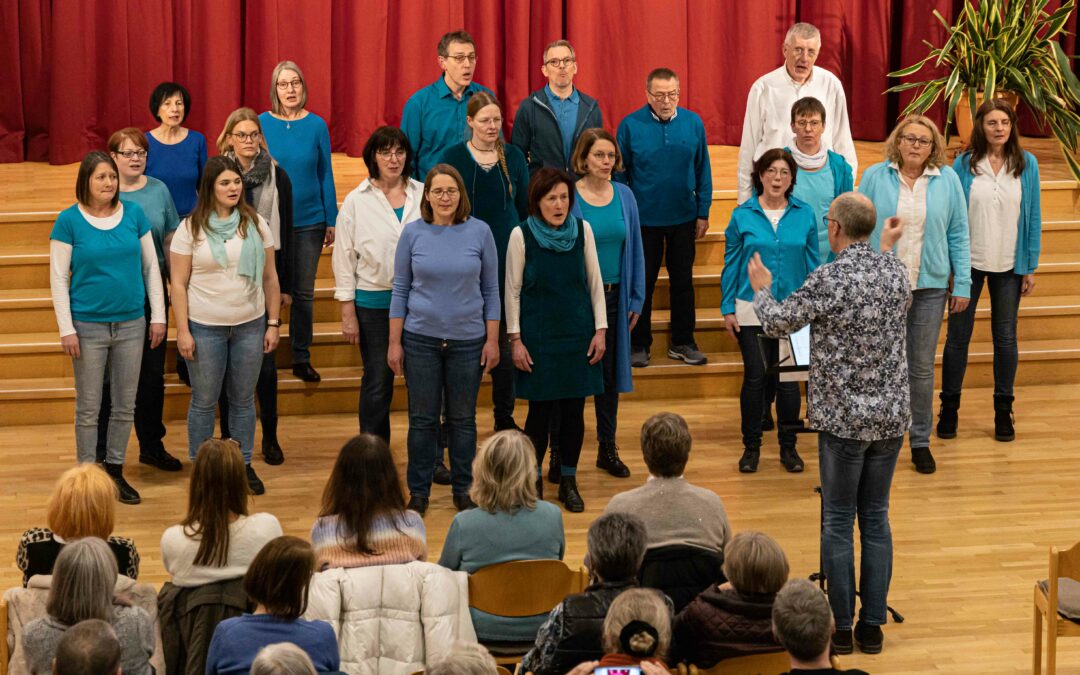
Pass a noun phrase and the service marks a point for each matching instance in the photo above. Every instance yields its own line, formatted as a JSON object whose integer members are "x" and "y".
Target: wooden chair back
{"x": 1063, "y": 564}
{"x": 524, "y": 587}
{"x": 498, "y": 669}
{"x": 771, "y": 663}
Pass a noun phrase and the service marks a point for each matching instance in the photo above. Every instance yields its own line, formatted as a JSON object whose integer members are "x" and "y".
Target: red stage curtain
{"x": 79, "y": 69}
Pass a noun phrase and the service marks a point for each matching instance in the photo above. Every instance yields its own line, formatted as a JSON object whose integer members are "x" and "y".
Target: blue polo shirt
{"x": 566, "y": 113}
{"x": 433, "y": 120}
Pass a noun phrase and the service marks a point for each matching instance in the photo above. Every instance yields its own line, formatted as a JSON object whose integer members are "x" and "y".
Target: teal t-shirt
{"x": 609, "y": 232}
{"x": 106, "y": 265}
{"x": 157, "y": 204}
{"x": 817, "y": 189}
{"x": 400, "y": 212}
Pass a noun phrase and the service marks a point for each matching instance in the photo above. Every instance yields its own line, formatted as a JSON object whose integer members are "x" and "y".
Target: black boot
{"x": 749, "y": 460}
{"x": 255, "y": 483}
{"x": 1003, "y": 418}
{"x": 554, "y": 466}
{"x": 789, "y": 457}
{"x": 607, "y": 458}
{"x": 125, "y": 492}
{"x": 947, "y": 418}
{"x": 160, "y": 458}
{"x": 569, "y": 495}
{"x": 271, "y": 451}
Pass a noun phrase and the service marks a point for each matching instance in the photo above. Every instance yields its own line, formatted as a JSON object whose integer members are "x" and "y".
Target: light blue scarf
{"x": 252, "y": 256}
{"x": 559, "y": 239}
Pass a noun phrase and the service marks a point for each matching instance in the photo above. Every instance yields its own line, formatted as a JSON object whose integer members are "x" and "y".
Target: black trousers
{"x": 607, "y": 404}
{"x": 673, "y": 245}
{"x": 752, "y": 396}
{"x": 571, "y": 433}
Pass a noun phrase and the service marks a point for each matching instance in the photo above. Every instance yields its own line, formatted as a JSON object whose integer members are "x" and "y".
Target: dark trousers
{"x": 607, "y": 404}
{"x": 673, "y": 245}
{"x": 377, "y": 382}
{"x": 1004, "y": 307}
{"x": 752, "y": 396}
{"x": 571, "y": 428}
{"x": 265, "y": 397}
{"x": 502, "y": 381}
{"x": 309, "y": 245}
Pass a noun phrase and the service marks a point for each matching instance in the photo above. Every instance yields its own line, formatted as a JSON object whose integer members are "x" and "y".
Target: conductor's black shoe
{"x": 923, "y": 460}
{"x": 254, "y": 482}
{"x": 841, "y": 642}
{"x": 161, "y": 459}
{"x": 272, "y": 453}
{"x": 749, "y": 460}
{"x": 791, "y": 460}
{"x": 463, "y": 502}
{"x": 305, "y": 372}
{"x": 418, "y": 504}
{"x": 869, "y": 638}
{"x": 569, "y": 495}
{"x": 607, "y": 458}
{"x": 442, "y": 474}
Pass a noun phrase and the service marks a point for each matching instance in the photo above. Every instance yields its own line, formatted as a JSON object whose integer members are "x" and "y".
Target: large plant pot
{"x": 965, "y": 116}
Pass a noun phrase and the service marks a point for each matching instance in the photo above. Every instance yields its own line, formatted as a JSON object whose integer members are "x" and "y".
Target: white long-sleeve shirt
{"x": 767, "y": 123}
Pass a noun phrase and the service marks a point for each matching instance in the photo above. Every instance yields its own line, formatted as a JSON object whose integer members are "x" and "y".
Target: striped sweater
{"x": 396, "y": 539}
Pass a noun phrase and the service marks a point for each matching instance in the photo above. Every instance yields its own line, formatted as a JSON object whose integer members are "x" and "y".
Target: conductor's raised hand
{"x": 760, "y": 276}
{"x": 891, "y": 232}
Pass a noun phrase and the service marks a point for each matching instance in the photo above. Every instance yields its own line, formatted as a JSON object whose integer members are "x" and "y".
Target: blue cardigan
{"x": 946, "y": 242}
{"x": 631, "y": 287}
{"x": 790, "y": 252}
{"x": 1029, "y": 229}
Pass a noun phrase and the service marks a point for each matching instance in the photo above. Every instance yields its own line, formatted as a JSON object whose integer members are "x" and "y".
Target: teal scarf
{"x": 559, "y": 239}
{"x": 252, "y": 256}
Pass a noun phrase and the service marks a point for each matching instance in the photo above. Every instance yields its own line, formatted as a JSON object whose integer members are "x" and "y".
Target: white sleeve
{"x": 841, "y": 130}
{"x": 182, "y": 242}
{"x": 343, "y": 257}
{"x": 515, "y": 270}
{"x": 594, "y": 280}
{"x": 152, "y": 278}
{"x": 265, "y": 233}
{"x": 59, "y": 282}
{"x": 751, "y": 136}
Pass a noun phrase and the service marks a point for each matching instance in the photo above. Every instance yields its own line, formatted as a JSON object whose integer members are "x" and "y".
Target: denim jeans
{"x": 1004, "y": 307}
{"x": 377, "y": 382}
{"x": 855, "y": 479}
{"x": 117, "y": 348}
{"x": 309, "y": 245}
{"x": 679, "y": 258}
{"x": 229, "y": 356}
{"x": 434, "y": 367}
{"x": 607, "y": 404}
{"x": 502, "y": 381}
{"x": 265, "y": 394}
{"x": 752, "y": 396}
{"x": 923, "y": 327}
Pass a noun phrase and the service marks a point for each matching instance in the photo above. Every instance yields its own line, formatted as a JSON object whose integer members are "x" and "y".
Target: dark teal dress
{"x": 557, "y": 324}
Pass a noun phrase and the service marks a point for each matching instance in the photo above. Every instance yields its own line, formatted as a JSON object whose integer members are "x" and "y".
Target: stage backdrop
{"x": 76, "y": 70}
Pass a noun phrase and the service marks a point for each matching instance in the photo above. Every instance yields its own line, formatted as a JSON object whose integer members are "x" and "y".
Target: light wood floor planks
{"x": 970, "y": 540}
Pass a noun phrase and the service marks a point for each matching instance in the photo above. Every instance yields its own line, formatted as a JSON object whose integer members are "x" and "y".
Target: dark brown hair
{"x": 588, "y": 138}
{"x": 364, "y": 484}
{"x": 665, "y": 443}
{"x": 204, "y": 205}
{"x": 1014, "y": 154}
{"x": 461, "y": 36}
{"x": 543, "y": 182}
{"x": 279, "y": 576}
{"x": 387, "y": 138}
{"x": 765, "y": 161}
{"x": 482, "y": 99}
{"x": 89, "y": 165}
{"x": 218, "y": 489}
{"x": 807, "y": 106}
{"x": 660, "y": 74}
{"x": 464, "y": 208}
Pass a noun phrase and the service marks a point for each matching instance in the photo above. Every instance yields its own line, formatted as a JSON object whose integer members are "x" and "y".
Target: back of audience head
{"x": 89, "y": 647}
{"x": 83, "y": 503}
{"x": 218, "y": 492}
{"x": 616, "y": 546}
{"x": 665, "y": 443}
{"x": 802, "y": 620}
{"x": 282, "y": 658}
{"x": 755, "y": 564}
{"x": 504, "y": 473}
{"x": 464, "y": 658}
{"x": 638, "y": 624}
{"x": 278, "y": 578}
{"x": 363, "y": 485}
{"x": 83, "y": 582}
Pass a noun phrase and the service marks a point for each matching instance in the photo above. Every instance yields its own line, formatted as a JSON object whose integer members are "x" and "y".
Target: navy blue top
{"x": 302, "y": 148}
{"x": 433, "y": 120}
{"x": 237, "y": 642}
{"x": 179, "y": 166}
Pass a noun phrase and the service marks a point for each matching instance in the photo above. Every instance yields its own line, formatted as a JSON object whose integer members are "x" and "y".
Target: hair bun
{"x": 639, "y": 638}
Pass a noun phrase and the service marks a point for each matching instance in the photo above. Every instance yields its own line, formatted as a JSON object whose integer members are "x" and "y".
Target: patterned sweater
{"x": 396, "y": 539}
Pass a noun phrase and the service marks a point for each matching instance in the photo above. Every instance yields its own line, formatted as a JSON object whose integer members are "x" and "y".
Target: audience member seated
{"x": 277, "y": 582}
{"x": 217, "y": 539}
{"x": 89, "y": 647}
{"x": 363, "y": 520}
{"x": 687, "y": 525}
{"x": 283, "y": 658}
{"x": 83, "y": 504}
{"x": 735, "y": 618}
{"x": 803, "y": 622}
{"x": 508, "y": 524}
{"x": 572, "y": 632}
{"x": 464, "y": 658}
{"x": 83, "y": 582}
{"x": 637, "y": 630}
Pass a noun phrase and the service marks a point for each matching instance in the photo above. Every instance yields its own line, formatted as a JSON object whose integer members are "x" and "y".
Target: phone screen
{"x": 618, "y": 670}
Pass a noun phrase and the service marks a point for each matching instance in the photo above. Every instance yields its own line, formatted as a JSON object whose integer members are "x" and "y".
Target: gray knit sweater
{"x": 676, "y": 512}
{"x": 132, "y": 625}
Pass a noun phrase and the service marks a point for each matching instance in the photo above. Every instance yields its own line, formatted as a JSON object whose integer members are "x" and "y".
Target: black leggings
{"x": 571, "y": 431}
{"x": 752, "y": 397}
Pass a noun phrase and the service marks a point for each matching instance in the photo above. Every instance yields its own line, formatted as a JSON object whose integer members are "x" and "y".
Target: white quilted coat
{"x": 392, "y": 619}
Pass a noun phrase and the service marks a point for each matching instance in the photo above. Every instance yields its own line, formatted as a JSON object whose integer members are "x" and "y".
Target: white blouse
{"x": 994, "y": 216}
{"x": 911, "y": 209}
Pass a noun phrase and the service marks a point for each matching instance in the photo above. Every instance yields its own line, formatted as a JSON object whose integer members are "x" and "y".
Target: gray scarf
{"x": 261, "y": 181}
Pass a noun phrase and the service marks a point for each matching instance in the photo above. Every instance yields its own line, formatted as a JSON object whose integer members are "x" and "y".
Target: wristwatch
{"x": 276, "y": 323}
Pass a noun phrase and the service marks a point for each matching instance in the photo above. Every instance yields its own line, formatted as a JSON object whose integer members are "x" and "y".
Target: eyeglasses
{"x": 809, "y": 124}
{"x": 825, "y": 220}
{"x": 129, "y": 154}
{"x": 291, "y": 84}
{"x": 462, "y": 58}
{"x": 439, "y": 193}
{"x": 396, "y": 153}
{"x": 559, "y": 63}
{"x": 916, "y": 142}
{"x": 783, "y": 173}
{"x": 601, "y": 156}
{"x": 669, "y": 96}
{"x": 253, "y": 136}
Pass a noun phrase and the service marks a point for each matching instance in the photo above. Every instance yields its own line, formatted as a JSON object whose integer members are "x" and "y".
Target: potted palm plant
{"x": 999, "y": 46}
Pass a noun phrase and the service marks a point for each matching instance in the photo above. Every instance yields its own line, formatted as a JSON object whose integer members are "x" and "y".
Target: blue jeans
{"x": 232, "y": 355}
{"x": 1004, "y": 307}
{"x": 309, "y": 245}
{"x": 923, "y": 327}
{"x": 434, "y": 367}
{"x": 116, "y": 347}
{"x": 377, "y": 383}
{"x": 855, "y": 479}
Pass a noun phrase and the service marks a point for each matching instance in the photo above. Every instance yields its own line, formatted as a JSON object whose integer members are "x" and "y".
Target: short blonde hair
{"x": 83, "y": 503}
{"x": 638, "y": 604}
{"x": 504, "y": 473}
{"x": 275, "y": 100}
{"x": 755, "y": 563}
{"x": 937, "y": 151}
{"x": 236, "y": 117}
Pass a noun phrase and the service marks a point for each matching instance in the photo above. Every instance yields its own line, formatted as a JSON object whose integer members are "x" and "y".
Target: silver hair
{"x": 282, "y": 658}
{"x": 856, "y": 214}
{"x": 83, "y": 582}
{"x": 803, "y": 31}
{"x": 464, "y": 658}
{"x": 275, "y": 100}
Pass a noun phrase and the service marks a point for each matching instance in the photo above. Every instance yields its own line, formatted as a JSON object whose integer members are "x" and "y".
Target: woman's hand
{"x": 395, "y": 358}
{"x": 270, "y": 339}
{"x": 522, "y": 360}
{"x": 185, "y": 344}
{"x": 489, "y": 356}
{"x": 350, "y": 328}
{"x": 1027, "y": 285}
{"x": 157, "y": 334}
{"x": 650, "y": 668}
{"x": 633, "y": 316}
{"x": 584, "y": 668}
{"x": 70, "y": 344}
{"x": 286, "y": 299}
{"x": 731, "y": 325}
{"x": 597, "y": 347}
{"x": 328, "y": 238}
{"x": 958, "y": 305}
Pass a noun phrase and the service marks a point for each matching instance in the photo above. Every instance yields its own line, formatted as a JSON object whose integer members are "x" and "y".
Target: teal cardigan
{"x": 946, "y": 242}
{"x": 1029, "y": 229}
{"x": 790, "y": 253}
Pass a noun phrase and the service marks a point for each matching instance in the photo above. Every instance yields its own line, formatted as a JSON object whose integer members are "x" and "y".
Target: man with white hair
{"x": 767, "y": 122}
